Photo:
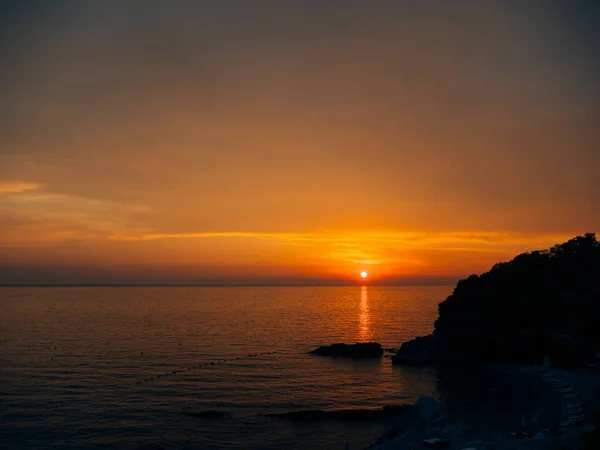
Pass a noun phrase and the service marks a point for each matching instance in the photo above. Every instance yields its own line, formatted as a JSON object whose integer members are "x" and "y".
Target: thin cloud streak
{"x": 16, "y": 187}
{"x": 352, "y": 239}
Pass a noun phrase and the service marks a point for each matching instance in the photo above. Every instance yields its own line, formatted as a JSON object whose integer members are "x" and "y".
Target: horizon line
{"x": 215, "y": 285}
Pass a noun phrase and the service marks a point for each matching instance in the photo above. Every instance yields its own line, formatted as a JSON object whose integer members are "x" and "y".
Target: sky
{"x": 300, "y": 142}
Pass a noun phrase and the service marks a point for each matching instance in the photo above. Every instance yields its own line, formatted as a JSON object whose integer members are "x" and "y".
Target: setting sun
{"x": 363, "y": 274}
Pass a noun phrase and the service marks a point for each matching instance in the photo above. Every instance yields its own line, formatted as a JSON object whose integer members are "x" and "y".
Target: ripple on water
{"x": 104, "y": 340}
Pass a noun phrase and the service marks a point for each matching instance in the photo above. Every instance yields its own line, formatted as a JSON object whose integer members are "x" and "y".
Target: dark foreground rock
{"x": 150, "y": 446}
{"x": 208, "y": 414}
{"x": 542, "y": 303}
{"x": 360, "y": 350}
{"x": 350, "y": 415}
{"x": 390, "y": 435}
{"x": 422, "y": 350}
{"x": 427, "y": 350}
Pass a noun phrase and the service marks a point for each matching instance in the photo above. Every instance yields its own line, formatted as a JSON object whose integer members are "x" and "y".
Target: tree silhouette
{"x": 544, "y": 302}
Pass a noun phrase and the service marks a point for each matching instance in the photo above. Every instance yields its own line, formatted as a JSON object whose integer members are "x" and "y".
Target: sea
{"x": 115, "y": 367}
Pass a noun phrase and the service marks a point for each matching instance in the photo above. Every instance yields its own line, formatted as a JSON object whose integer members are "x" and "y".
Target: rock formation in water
{"x": 207, "y": 414}
{"x": 350, "y": 415}
{"x": 542, "y": 303}
{"x": 360, "y": 350}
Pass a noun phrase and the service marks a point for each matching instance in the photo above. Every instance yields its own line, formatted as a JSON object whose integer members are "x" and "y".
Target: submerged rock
{"x": 308, "y": 415}
{"x": 208, "y": 414}
{"x": 360, "y": 350}
{"x": 437, "y": 441}
{"x": 431, "y": 410}
{"x": 389, "y": 436}
{"x": 350, "y": 415}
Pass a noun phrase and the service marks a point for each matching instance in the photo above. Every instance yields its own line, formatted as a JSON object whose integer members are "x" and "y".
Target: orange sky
{"x": 239, "y": 143}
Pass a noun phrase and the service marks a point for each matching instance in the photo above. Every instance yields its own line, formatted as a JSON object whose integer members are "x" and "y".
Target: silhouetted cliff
{"x": 540, "y": 303}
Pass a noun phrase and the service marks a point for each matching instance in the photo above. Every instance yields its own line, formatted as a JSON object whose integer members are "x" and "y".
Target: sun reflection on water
{"x": 364, "y": 317}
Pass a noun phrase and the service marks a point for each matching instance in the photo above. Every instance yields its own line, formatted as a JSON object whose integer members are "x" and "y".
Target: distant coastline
{"x": 225, "y": 285}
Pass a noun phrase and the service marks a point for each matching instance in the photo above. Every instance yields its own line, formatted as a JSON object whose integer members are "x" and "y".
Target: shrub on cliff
{"x": 542, "y": 302}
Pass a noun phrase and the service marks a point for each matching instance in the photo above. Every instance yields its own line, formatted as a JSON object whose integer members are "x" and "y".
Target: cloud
{"x": 34, "y": 217}
{"x": 376, "y": 248}
{"x": 16, "y": 187}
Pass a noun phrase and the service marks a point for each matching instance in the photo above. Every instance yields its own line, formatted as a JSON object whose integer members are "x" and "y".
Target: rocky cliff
{"x": 541, "y": 303}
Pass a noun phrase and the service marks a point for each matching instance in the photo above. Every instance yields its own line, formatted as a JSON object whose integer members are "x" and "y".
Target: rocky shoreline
{"x": 541, "y": 306}
{"x": 512, "y": 422}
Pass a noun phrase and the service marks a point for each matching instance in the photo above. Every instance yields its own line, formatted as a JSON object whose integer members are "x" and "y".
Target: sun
{"x": 363, "y": 274}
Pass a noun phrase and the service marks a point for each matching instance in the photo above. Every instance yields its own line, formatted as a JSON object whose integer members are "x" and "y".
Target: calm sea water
{"x": 73, "y": 361}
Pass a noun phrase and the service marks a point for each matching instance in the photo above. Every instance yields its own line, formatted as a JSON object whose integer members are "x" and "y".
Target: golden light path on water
{"x": 364, "y": 317}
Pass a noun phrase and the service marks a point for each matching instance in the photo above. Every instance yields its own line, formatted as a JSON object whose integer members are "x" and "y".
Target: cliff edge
{"x": 542, "y": 303}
